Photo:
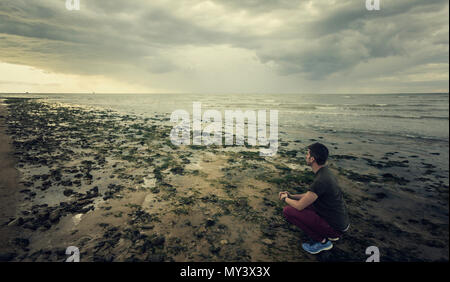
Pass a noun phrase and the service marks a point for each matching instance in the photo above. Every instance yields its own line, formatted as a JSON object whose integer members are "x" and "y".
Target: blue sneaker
{"x": 317, "y": 247}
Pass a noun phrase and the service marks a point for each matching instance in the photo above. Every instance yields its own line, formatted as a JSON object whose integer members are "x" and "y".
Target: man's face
{"x": 309, "y": 158}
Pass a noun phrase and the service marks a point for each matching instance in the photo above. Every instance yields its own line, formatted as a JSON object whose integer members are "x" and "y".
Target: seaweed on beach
{"x": 115, "y": 186}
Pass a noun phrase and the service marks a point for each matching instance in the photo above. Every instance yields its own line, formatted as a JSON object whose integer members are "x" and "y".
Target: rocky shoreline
{"x": 115, "y": 187}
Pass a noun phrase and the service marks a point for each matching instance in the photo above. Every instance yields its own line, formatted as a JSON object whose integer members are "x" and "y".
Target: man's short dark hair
{"x": 319, "y": 152}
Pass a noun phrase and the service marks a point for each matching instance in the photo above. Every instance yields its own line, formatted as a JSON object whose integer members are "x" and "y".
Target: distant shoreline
{"x": 207, "y": 93}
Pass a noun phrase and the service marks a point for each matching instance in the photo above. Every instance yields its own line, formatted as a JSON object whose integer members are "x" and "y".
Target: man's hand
{"x": 283, "y": 195}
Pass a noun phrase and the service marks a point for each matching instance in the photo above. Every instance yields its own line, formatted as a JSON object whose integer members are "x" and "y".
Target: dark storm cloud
{"x": 351, "y": 15}
{"x": 125, "y": 38}
{"x": 112, "y": 33}
{"x": 347, "y": 35}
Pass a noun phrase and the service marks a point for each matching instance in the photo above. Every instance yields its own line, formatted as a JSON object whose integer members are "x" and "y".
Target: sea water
{"x": 407, "y": 127}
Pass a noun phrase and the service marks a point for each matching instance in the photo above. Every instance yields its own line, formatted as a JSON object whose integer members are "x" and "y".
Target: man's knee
{"x": 287, "y": 211}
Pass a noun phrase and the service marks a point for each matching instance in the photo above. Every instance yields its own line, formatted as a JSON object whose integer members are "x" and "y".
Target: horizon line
{"x": 219, "y": 93}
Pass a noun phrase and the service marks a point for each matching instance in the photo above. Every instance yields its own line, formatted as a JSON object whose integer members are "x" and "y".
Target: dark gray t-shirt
{"x": 330, "y": 204}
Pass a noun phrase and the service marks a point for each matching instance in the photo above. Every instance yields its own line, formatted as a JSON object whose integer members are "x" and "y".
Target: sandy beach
{"x": 115, "y": 187}
{"x": 9, "y": 184}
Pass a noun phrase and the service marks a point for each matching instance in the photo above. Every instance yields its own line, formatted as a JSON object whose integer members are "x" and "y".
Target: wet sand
{"x": 114, "y": 186}
{"x": 9, "y": 188}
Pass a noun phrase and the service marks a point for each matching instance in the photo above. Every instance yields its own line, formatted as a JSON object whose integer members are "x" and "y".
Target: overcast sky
{"x": 222, "y": 46}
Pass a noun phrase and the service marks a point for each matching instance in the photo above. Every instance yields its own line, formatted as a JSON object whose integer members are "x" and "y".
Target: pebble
{"x": 267, "y": 241}
{"x": 210, "y": 222}
{"x": 77, "y": 218}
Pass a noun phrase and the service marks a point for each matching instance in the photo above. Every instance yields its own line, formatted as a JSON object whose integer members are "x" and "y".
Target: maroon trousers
{"x": 310, "y": 222}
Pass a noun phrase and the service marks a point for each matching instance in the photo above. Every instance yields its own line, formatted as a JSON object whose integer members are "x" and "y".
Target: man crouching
{"x": 321, "y": 212}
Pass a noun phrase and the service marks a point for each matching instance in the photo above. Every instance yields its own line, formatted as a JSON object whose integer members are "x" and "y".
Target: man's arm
{"x": 307, "y": 199}
{"x": 296, "y": 196}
